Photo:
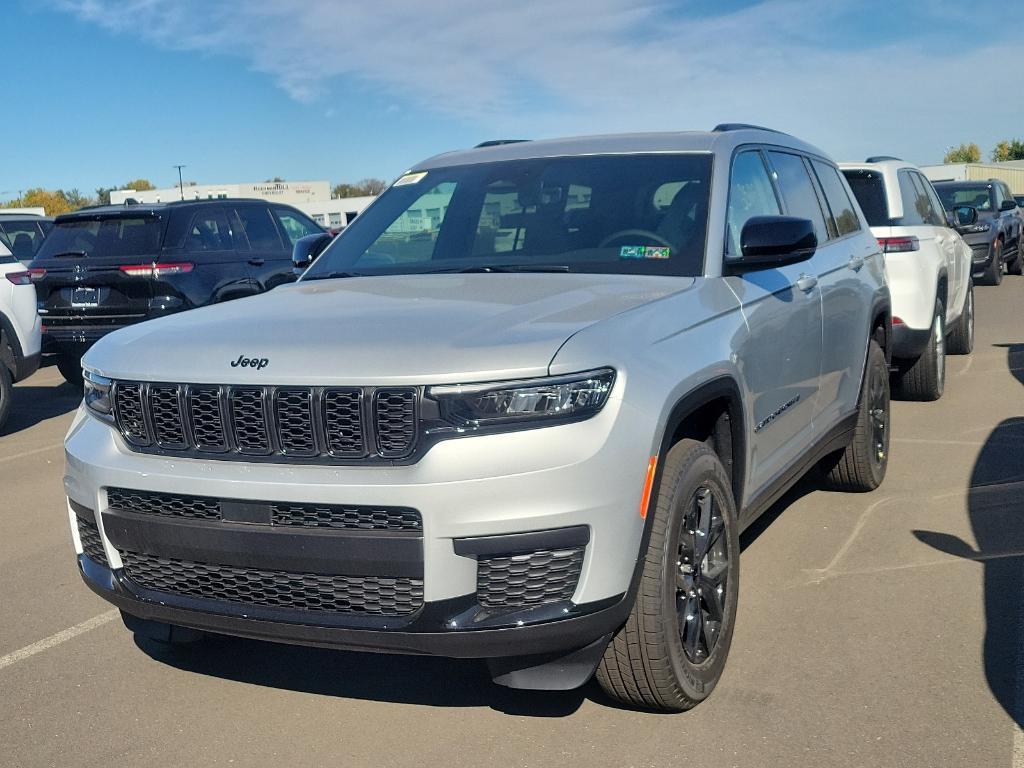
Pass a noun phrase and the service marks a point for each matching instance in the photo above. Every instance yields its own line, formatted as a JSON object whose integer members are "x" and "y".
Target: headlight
{"x": 974, "y": 228}
{"x": 97, "y": 395}
{"x": 527, "y": 403}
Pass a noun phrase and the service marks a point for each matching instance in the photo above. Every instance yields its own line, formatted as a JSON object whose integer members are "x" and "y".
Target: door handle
{"x": 257, "y": 262}
{"x": 855, "y": 262}
{"x": 806, "y": 282}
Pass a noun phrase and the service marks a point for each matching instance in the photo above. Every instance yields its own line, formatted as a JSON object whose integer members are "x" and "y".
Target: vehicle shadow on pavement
{"x": 997, "y": 521}
{"x": 423, "y": 680}
{"x": 32, "y": 405}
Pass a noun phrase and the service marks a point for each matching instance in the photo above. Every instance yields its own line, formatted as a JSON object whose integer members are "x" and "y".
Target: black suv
{"x": 106, "y": 267}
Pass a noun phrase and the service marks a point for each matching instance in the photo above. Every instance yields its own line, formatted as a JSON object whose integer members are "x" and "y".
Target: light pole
{"x": 181, "y": 184}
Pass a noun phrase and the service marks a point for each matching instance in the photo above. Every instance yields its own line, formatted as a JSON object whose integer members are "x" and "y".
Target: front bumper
{"x": 546, "y": 481}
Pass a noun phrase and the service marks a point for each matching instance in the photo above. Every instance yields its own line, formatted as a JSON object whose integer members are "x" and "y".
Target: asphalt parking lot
{"x": 874, "y": 630}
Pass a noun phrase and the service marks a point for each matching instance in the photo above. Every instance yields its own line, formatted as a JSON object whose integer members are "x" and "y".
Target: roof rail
{"x": 725, "y": 127}
{"x": 883, "y": 158}
{"x": 498, "y": 142}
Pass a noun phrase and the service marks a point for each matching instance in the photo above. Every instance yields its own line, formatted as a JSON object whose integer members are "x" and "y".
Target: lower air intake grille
{"x": 526, "y": 580}
{"x": 337, "y": 516}
{"x": 276, "y": 589}
{"x": 92, "y": 544}
{"x": 169, "y": 504}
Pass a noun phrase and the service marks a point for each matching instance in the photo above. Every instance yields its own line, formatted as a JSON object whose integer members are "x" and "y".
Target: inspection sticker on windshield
{"x": 644, "y": 252}
{"x": 410, "y": 178}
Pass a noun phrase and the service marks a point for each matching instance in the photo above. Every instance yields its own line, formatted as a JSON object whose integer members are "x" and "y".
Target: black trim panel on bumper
{"x": 909, "y": 343}
{"x": 432, "y": 631}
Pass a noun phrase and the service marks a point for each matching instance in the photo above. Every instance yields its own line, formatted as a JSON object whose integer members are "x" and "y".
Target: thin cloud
{"x": 553, "y": 66}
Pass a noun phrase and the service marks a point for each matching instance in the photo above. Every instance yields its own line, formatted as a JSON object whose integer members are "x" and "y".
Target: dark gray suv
{"x": 995, "y": 237}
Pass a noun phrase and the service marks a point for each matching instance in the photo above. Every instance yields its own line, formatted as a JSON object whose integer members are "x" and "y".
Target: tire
{"x": 659, "y": 660}
{"x": 861, "y": 466}
{"x": 993, "y": 274}
{"x": 961, "y": 338}
{"x": 70, "y": 367}
{"x": 925, "y": 379}
{"x": 6, "y": 393}
{"x": 1016, "y": 267}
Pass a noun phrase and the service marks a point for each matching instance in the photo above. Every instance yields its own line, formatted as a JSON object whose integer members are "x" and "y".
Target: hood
{"x": 378, "y": 330}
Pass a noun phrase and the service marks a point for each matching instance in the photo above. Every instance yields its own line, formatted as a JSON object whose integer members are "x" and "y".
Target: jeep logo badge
{"x": 250, "y": 362}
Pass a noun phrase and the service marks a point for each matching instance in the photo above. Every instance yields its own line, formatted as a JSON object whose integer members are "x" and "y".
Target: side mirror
{"x": 1008, "y": 205}
{"x": 307, "y": 249}
{"x": 965, "y": 215}
{"x": 775, "y": 241}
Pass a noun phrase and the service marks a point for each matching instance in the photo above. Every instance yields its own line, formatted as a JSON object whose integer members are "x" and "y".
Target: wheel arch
{"x": 712, "y": 413}
{"x": 10, "y": 345}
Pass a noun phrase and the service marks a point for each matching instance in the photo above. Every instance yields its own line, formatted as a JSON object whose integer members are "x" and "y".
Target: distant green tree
{"x": 965, "y": 153}
{"x": 1012, "y": 149}
{"x": 365, "y": 188}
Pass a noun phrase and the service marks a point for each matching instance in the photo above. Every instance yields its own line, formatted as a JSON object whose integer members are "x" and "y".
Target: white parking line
{"x": 61, "y": 637}
{"x": 34, "y": 451}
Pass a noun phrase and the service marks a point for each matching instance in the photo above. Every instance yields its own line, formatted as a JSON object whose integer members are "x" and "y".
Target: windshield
{"x": 977, "y": 196}
{"x": 118, "y": 236}
{"x": 633, "y": 214}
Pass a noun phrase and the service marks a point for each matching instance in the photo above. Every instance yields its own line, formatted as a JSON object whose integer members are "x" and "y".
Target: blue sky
{"x": 101, "y": 91}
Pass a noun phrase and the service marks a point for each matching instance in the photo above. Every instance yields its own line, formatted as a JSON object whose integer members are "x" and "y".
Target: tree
{"x": 75, "y": 199}
{"x": 275, "y": 180}
{"x": 965, "y": 153}
{"x": 54, "y": 202}
{"x": 139, "y": 185}
{"x": 366, "y": 188}
{"x": 1012, "y": 149}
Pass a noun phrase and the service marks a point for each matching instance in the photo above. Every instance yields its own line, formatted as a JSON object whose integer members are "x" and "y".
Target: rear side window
{"x": 915, "y": 203}
{"x": 6, "y": 257}
{"x": 259, "y": 228}
{"x": 750, "y": 194}
{"x": 869, "y": 189}
{"x": 23, "y": 238}
{"x": 843, "y": 213}
{"x": 798, "y": 190}
{"x": 931, "y": 209}
{"x": 209, "y": 231}
{"x": 295, "y": 225}
{"x": 117, "y": 236}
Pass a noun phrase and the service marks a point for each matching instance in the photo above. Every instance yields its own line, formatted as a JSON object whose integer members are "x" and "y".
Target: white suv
{"x": 19, "y": 327}
{"x": 929, "y": 269}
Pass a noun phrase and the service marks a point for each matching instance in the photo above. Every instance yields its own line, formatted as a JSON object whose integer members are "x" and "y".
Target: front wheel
{"x": 861, "y": 466}
{"x": 671, "y": 651}
{"x": 961, "y": 338}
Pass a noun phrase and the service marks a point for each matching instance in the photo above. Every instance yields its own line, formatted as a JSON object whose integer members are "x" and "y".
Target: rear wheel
{"x": 6, "y": 393}
{"x": 961, "y": 338}
{"x": 671, "y": 652}
{"x": 925, "y": 379}
{"x": 70, "y": 366}
{"x": 861, "y": 465}
{"x": 1016, "y": 267}
{"x": 994, "y": 271}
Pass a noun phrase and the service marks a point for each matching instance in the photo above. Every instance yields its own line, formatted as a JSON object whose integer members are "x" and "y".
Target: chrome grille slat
{"x": 335, "y": 424}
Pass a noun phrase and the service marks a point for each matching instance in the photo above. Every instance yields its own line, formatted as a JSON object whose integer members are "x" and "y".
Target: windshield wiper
{"x": 62, "y": 254}
{"x": 331, "y": 276}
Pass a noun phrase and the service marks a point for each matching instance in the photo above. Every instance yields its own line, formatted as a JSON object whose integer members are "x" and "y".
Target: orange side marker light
{"x": 645, "y": 499}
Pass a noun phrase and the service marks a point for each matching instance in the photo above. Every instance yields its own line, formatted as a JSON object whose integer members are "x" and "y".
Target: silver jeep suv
{"x": 520, "y": 410}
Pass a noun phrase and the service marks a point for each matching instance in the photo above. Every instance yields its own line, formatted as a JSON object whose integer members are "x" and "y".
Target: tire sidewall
{"x": 697, "y": 681}
{"x": 876, "y": 365}
{"x": 6, "y": 394}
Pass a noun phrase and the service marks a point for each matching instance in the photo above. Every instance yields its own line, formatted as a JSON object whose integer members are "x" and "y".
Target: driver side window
{"x": 750, "y": 194}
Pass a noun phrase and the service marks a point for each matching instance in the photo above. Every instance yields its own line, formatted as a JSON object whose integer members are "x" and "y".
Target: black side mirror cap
{"x": 964, "y": 215}
{"x": 307, "y": 249}
{"x": 1008, "y": 205}
{"x": 774, "y": 241}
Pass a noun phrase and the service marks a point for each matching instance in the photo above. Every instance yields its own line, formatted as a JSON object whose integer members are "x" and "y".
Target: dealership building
{"x": 311, "y": 197}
